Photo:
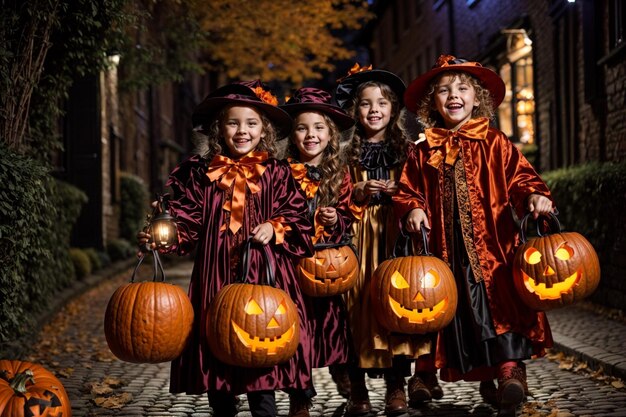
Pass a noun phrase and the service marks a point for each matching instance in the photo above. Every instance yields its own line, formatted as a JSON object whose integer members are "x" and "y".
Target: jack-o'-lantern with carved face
{"x": 413, "y": 294}
{"x": 253, "y": 326}
{"x": 329, "y": 272}
{"x": 555, "y": 270}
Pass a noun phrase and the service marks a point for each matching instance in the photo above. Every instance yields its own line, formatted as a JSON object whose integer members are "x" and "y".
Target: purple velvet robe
{"x": 328, "y": 315}
{"x": 198, "y": 205}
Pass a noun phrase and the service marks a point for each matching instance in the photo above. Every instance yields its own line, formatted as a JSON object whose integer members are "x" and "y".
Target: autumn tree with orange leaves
{"x": 278, "y": 39}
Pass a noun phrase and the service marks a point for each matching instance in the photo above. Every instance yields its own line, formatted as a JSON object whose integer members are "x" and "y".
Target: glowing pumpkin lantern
{"x": 555, "y": 270}
{"x": 331, "y": 271}
{"x": 414, "y": 294}
{"x": 253, "y": 325}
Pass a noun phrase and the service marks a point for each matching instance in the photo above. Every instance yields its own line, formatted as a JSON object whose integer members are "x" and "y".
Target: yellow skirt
{"x": 374, "y": 238}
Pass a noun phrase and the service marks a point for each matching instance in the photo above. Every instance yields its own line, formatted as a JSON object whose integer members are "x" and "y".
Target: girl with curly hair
{"x": 376, "y": 153}
{"x": 314, "y": 156}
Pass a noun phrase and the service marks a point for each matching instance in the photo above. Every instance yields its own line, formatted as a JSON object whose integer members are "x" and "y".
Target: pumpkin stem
{"x": 18, "y": 383}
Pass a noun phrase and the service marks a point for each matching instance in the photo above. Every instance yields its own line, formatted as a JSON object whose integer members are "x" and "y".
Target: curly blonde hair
{"x": 427, "y": 113}
{"x": 395, "y": 134}
{"x": 331, "y": 165}
{"x": 209, "y": 141}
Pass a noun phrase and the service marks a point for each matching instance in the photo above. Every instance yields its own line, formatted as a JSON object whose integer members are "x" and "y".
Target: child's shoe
{"x": 511, "y": 388}
{"x": 424, "y": 386}
{"x": 395, "y": 398}
{"x": 359, "y": 401}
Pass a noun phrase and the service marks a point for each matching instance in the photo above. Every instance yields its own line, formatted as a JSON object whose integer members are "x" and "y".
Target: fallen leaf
{"x": 114, "y": 401}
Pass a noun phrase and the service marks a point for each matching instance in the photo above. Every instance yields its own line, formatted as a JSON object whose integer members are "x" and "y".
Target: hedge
{"x": 37, "y": 213}
{"x": 134, "y": 207}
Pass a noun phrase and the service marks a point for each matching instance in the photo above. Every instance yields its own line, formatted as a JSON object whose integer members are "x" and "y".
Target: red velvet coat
{"x": 497, "y": 180}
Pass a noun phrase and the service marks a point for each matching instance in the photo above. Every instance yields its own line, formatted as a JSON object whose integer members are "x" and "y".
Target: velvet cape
{"x": 499, "y": 180}
{"x": 329, "y": 321}
{"x": 198, "y": 205}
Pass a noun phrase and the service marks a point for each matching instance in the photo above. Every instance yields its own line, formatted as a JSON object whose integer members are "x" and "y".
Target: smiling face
{"x": 374, "y": 113}
{"x": 311, "y": 136}
{"x": 242, "y": 129}
{"x": 455, "y": 99}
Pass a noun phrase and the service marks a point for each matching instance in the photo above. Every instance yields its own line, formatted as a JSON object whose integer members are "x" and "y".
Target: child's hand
{"x": 144, "y": 242}
{"x": 391, "y": 187}
{"x": 414, "y": 220}
{"x": 327, "y": 216}
{"x": 263, "y": 233}
{"x": 373, "y": 187}
{"x": 539, "y": 205}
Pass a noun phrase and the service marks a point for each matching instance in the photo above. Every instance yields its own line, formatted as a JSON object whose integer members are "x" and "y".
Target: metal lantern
{"x": 162, "y": 225}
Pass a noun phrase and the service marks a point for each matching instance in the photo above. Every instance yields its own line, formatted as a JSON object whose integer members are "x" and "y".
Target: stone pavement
{"x": 72, "y": 345}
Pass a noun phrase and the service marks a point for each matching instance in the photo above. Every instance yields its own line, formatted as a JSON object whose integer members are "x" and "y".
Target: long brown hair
{"x": 331, "y": 165}
{"x": 427, "y": 113}
{"x": 209, "y": 141}
{"x": 395, "y": 133}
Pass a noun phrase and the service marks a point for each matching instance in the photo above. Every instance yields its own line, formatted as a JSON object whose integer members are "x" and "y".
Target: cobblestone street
{"x": 74, "y": 347}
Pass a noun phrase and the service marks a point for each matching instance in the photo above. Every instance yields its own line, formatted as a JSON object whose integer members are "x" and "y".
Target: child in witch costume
{"x": 314, "y": 156}
{"x": 233, "y": 189}
{"x": 462, "y": 183}
{"x": 375, "y": 155}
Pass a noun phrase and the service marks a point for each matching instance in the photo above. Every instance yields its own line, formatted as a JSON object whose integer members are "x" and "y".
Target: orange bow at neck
{"x": 307, "y": 184}
{"x": 237, "y": 174}
{"x": 475, "y": 129}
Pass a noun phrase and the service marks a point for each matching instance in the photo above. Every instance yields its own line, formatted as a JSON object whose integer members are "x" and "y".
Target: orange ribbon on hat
{"x": 448, "y": 60}
{"x": 475, "y": 129}
{"x": 237, "y": 174}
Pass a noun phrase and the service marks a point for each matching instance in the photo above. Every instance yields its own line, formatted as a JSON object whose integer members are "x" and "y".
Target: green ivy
{"x": 37, "y": 214}
{"x": 133, "y": 212}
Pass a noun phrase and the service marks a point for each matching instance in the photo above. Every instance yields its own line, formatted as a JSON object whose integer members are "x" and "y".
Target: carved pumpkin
{"x": 148, "y": 322}
{"x": 332, "y": 270}
{"x": 555, "y": 270}
{"x": 27, "y": 389}
{"x": 413, "y": 294}
{"x": 253, "y": 325}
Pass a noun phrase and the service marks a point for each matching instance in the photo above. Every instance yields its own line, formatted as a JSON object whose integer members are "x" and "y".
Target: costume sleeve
{"x": 522, "y": 178}
{"x": 289, "y": 212}
{"x": 410, "y": 193}
{"x": 188, "y": 184}
{"x": 345, "y": 211}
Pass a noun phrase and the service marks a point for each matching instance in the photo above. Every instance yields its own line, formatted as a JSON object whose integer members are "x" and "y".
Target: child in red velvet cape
{"x": 462, "y": 182}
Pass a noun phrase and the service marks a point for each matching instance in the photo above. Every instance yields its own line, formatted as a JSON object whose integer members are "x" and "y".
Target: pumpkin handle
{"x": 245, "y": 263}
{"x": 345, "y": 241}
{"x": 403, "y": 245}
{"x": 157, "y": 267}
{"x": 551, "y": 217}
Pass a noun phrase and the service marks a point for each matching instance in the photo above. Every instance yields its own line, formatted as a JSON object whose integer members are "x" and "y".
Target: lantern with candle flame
{"x": 162, "y": 225}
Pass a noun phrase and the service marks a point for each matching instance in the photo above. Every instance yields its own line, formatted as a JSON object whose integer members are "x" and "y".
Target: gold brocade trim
{"x": 465, "y": 215}
{"x": 448, "y": 206}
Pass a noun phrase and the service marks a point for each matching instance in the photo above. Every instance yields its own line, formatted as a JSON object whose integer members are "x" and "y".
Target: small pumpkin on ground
{"x": 30, "y": 390}
{"x": 150, "y": 321}
{"x": 556, "y": 269}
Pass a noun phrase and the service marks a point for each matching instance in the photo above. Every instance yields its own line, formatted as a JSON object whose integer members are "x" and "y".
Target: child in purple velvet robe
{"x": 232, "y": 190}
